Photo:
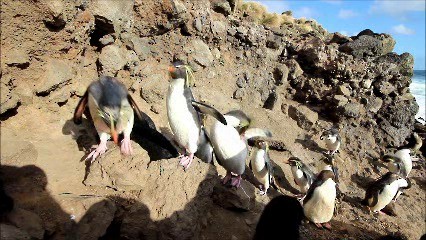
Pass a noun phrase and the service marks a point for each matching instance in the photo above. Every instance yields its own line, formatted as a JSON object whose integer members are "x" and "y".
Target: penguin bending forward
{"x": 381, "y": 192}
{"x": 230, "y": 144}
{"x": 111, "y": 109}
{"x": 260, "y": 164}
{"x": 303, "y": 176}
{"x": 400, "y": 162}
{"x": 318, "y": 205}
{"x": 184, "y": 118}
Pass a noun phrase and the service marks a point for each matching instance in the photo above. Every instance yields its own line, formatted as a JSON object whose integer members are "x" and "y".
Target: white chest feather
{"x": 226, "y": 141}
{"x": 259, "y": 168}
{"x": 320, "y": 207}
{"x": 386, "y": 196}
{"x": 300, "y": 179}
{"x": 404, "y": 155}
{"x": 332, "y": 143}
{"x": 183, "y": 119}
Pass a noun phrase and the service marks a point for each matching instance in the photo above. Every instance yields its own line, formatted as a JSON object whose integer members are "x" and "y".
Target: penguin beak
{"x": 172, "y": 71}
{"x": 114, "y": 133}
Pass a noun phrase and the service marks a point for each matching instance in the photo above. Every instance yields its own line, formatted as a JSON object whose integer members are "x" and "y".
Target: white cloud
{"x": 397, "y": 8}
{"x": 345, "y": 14}
{"x": 402, "y": 29}
{"x": 304, "y": 12}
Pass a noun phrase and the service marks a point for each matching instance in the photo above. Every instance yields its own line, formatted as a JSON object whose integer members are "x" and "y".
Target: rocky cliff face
{"x": 290, "y": 74}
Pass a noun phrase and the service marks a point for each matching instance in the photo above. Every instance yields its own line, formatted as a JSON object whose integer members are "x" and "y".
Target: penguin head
{"x": 295, "y": 162}
{"x": 261, "y": 144}
{"x": 329, "y": 165}
{"x": 116, "y": 117}
{"x": 390, "y": 158}
{"x": 238, "y": 119}
{"x": 326, "y": 174}
{"x": 182, "y": 71}
{"x": 330, "y": 134}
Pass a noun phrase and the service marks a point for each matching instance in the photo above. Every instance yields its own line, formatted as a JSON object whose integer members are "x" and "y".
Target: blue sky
{"x": 405, "y": 20}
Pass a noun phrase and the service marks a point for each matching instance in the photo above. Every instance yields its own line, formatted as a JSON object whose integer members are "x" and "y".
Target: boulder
{"x": 369, "y": 45}
{"x": 234, "y": 199}
{"x": 384, "y": 87}
{"x": 218, "y": 28}
{"x": 294, "y": 68}
{"x": 16, "y": 57}
{"x": 8, "y": 99}
{"x": 374, "y": 104}
{"x": 340, "y": 100}
{"x": 304, "y": 116}
{"x": 280, "y": 74}
{"x": 54, "y": 15}
{"x": 344, "y": 91}
{"x": 339, "y": 38}
{"x": 112, "y": 59}
{"x": 117, "y": 13}
{"x": 404, "y": 62}
{"x": 199, "y": 52}
{"x": 222, "y": 6}
{"x": 151, "y": 89}
{"x": 57, "y": 74}
{"x": 140, "y": 46}
{"x": 351, "y": 110}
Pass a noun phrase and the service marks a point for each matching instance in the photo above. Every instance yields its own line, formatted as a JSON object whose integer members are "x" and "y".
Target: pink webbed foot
{"x": 236, "y": 181}
{"x": 98, "y": 151}
{"x": 226, "y": 179}
{"x": 185, "y": 161}
{"x": 126, "y": 146}
{"x": 327, "y": 225}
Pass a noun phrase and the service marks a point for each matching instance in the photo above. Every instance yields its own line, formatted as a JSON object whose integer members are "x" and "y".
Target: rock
{"x": 83, "y": 78}
{"x": 112, "y": 59}
{"x": 107, "y": 39}
{"x": 384, "y": 88}
{"x": 374, "y": 105}
{"x": 179, "y": 7}
{"x": 294, "y": 68}
{"x": 141, "y": 47}
{"x": 340, "y": 100}
{"x": 222, "y": 6}
{"x": 9, "y": 232}
{"x": 218, "y": 28}
{"x": 404, "y": 63}
{"x": 239, "y": 94}
{"x": 54, "y": 16}
{"x": 280, "y": 74}
{"x": 273, "y": 42}
{"x": 234, "y": 199}
{"x": 340, "y": 38}
{"x": 200, "y": 52}
{"x": 57, "y": 74}
{"x": 216, "y": 53}
{"x": 344, "y": 90}
{"x": 368, "y": 46}
{"x": 351, "y": 110}
{"x": 284, "y": 108}
{"x": 242, "y": 82}
{"x": 96, "y": 220}
{"x": 117, "y": 13}
{"x": 304, "y": 116}
{"x": 198, "y": 25}
{"x": 8, "y": 99}
{"x": 151, "y": 90}
{"x": 28, "y": 221}
{"x": 16, "y": 57}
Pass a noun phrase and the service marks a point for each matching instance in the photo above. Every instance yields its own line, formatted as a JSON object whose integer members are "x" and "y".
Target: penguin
{"x": 400, "y": 162}
{"x": 381, "y": 192}
{"x": 230, "y": 144}
{"x": 332, "y": 140}
{"x": 184, "y": 118}
{"x": 318, "y": 204}
{"x": 112, "y": 111}
{"x": 260, "y": 164}
{"x": 303, "y": 176}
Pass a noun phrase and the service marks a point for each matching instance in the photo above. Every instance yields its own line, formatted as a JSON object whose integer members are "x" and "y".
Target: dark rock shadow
{"x": 421, "y": 182}
{"x": 361, "y": 182}
{"x": 281, "y": 180}
{"x": 27, "y": 187}
{"x": 310, "y": 144}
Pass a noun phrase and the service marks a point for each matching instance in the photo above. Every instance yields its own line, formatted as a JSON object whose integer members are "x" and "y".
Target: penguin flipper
{"x": 81, "y": 106}
{"x": 270, "y": 170}
{"x": 257, "y": 132}
{"x": 134, "y": 106}
{"x": 206, "y": 109}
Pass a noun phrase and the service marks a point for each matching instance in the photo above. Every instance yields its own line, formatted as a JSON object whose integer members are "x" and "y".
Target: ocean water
{"x": 418, "y": 89}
